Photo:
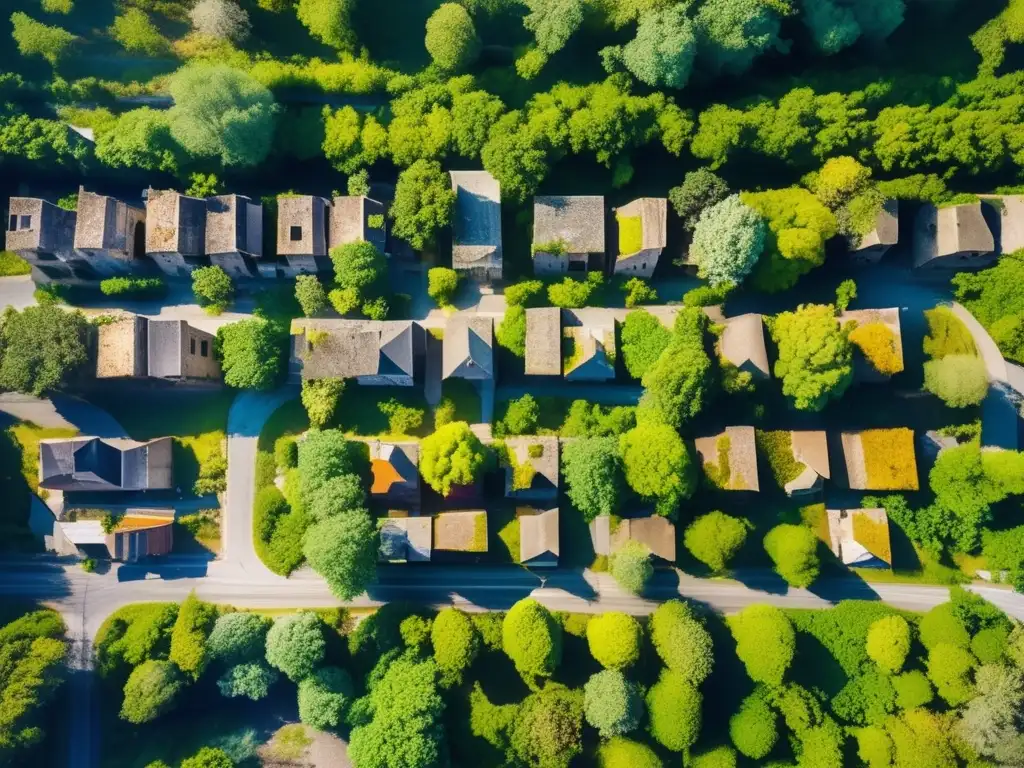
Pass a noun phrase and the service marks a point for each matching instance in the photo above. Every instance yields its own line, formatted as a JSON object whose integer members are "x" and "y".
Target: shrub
{"x": 912, "y": 690}
{"x": 451, "y": 38}
{"x": 188, "y": 638}
{"x": 639, "y": 292}
{"x": 209, "y": 757}
{"x": 251, "y": 353}
{"x": 593, "y": 475}
{"x": 753, "y": 729}
{"x": 251, "y": 680}
{"x": 286, "y": 452}
{"x": 631, "y": 567}
{"x": 574, "y": 294}
{"x": 238, "y": 637}
{"x": 612, "y": 704}
{"x": 451, "y": 456}
{"x": 323, "y": 698}
{"x": 296, "y": 645}
{"x": 879, "y": 346}
{"x": 511, "y": 332}
{"x": 681, "y": 641}
{"x": 623, "y": 753}
{"x": 845, "y": 293}
{"x": 529, "y": 293}
{"x": 765, "y": 642}
{"x": 889, "y": 643}
{"x": 715, "y": 538}
{"x": 456, "y": 645}
{"x": 532, "y": 639}
{"x": 442, "y": 283}
{"x": 522, "y": 416}
{"x": 948, "y": 668}
{"x": 793, "y": 549}
{"x": 151, "y": 691}
{"x": 708, "y": 295}
{"x": 213, "y": 289}
{"x": 947, "y": 335}
{"x": 642, "y": 339}
{"x": 614, "y": 639}
{"x": 402, "y": 419}
{"x": 133, "y": 287}
{"x": 959, "y": 380}
{"x": 310, "y": 294}
{"x": 674, "y": 708}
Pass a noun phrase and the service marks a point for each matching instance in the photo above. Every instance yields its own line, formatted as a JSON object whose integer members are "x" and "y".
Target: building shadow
{"x": 851, "y": 587}
{"x": 193, "y": 568}
{"x": 762, "y": 580}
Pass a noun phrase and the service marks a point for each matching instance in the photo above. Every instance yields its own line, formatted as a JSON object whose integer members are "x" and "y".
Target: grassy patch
{"x": 12, "y": 264}
{"x": 464, "y": 396}
{"x": 197, "y": 533}
{"x": 289, "y": 419}
{"x": 947, "y": 334}
{"x": 889, "y": 459}
{"x": 289, "y": 743}
{"x": 359, "y": 414}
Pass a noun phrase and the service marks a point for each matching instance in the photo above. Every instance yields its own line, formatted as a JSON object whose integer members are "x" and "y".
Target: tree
{"x": 614, "y": 639}
{"x": 213, "y": 289}
{"x": 593, "y": 475}
{"x": 521, "y": 416}
{"x": 642, "y": 340}
{"x": 631, "y": 566}
{"x": 798, "y": 227}
{"x": 43, "y": 349}
{"x": 715, "y": 538}
{"x": 674, "y": 708}
{"x": 188, "y": 638}
{"x": 612, "y": 704}
{"x": 728, "y": 239}
{"x": 352, "y": 140}
{"x": 920, "y": 737}
{"x": 37, "y": 39}
{"x": 453, "y": 455}
{"x": 251, "y": 353}
{"x": 912, "y": 690}
{"x": 553, "y": 22}
{"x": 451, "y": 38}
{"x": 793, "y": 549}
{"x": 732, "y": 33}
{"x": 310, "y": 294}
{"x": 209, "y": 757}
{"x": 680, "y": 383}
{"x": 442, "y": 282}
{"x": 701, "y": 189}
{"x": 682, "y": 642}
{"x": 846, "y": 292}
{"x": 336, "y": 497}
{"x": 221, "y": 19}
{"x": 251, "y": 679}
{"x": 151, "y": 691}
{"x": 343, "y": 549}
{"x": 548, "y": 729}
{"x": 328, "y": 21}
{"x": 324, "y": 697}
{"x": 473, "y": 114}
{"x": 623, "y": 753}
{"x": 753, "y": 729}
{"x": 639, "y": 291}
{"x": 141, "y": 138}
{"x": 359, "y": 265}
{"x": 959, "y": 380}
{"x": 238, "y": 637}
{"x": 423, "y": 203}
{"x": 888, "y": 643}
{"x": 941, "y": 625}
{"x": 990, "y": 722}
{"x": 815, "y": 360}
{"x": 406, "y": 727}
{"x": 663, "y": 50}
{"x": 296, "y": 644}
{"x": 456, "y": 645}
{"x": 765, "y": 642}
{"x": 320, "y": 398}
{"x": 949, "y": 669}
{"x": 327, "y": 454}
{"x": 573, "y": 294}
{"x": 719, "y": 757}
{"x": 136, "y": 33}
{"x": 222, "y": 113}
{"x": 839, "y": 180}
{"x": 658, "y": 466}
{"x": 532, "y": 639}
{"x": 511, "y": 333}
{"x": 838, "y": 24}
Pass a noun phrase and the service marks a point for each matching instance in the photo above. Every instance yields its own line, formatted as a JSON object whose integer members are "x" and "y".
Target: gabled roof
{"x": 121, "y": 348}
{"x": 654, "y": 531}
{"x": 887, "y": 227}
{"x": 538, "y": 537}
{"x": 302, "y": 226}
{"x": 653, "y": 213}
{"x": 350, "y": 222}
{"x": 464, "y": 531}
{"x": 165, "y": 347}
{"x": 52, "y": 228}
{"x": 94, "y": 464}
{"x": 476, "y": 237}
{"x": 353, "y": 348}
{"x": 468, "y": 349}
{"x": 544, "y": 466}
{"x": 880, "y": 459}
{"x": 544, "y": 341}
{"x": 405, "y": 539}
{"x": 949, "y": 231}
{"x": 1007, "y": 211}
{"x": 394, "y": 467}
{"x": 741, "y": 457}
{"x": 234, "y": 223}
{"x": 592, "y": 355}
{"x": 742, "y": 344}
{"x": 810, "y": 448}
{"x": 577, "y": 221}
{"x": 860, "y": 537}
{"x": 175, "y": 223}
{"x": 102, "y": 222}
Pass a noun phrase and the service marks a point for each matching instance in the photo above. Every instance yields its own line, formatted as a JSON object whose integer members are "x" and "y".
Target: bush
{"x": 209, "y": 757}
{"x": 708, "y": 295}
{"x": 715, "y": 538}
{"x": 753, "y": 729}
{"x": 765, "y": 642}
{"x": 639, "y": 292}
{"x": 324, "y": 697}
{"x": 251, "y": 680}
{"x": 251, "y": 353}
{"x": 623, "y": 753}
{"x": 793, "y": 549}
{"x": 912, "y": 690}
{"x": 286, "y": 452}
{"x": 151, "y": 691}
{"x": 310, "y": 294}
{"x": 442, "y": 282}
{"x": 320, "y": 398}
{"x": 532, "y": 639}
{"x": 889, "y": 643}
{"x": 522, "y": 416}
{"x": 296, "y": 645}
{"x": 879, "y": 346}
{"x": 681, "y": 641}
{"x": 940, "y": 625}
{"x": 451, "y": 38}
{"x": 612, "y": 704}
{"x": 614, "y": 639}
{"x": 947, "y": 335}
{"x": 574, "y": 294}
{"x": 275, "y": 525}
{"x": 631, "y": 567}
{"x": 949, "y": 668}
{"x": 846, "y": 292}
{"x": 674, "y": 708}
{"x": 213, "y": 289}
{"x": 959, "y": 380}
{"x": 642, "y": 339}
{"x": 451, "y": 456}
{"x": 238, "y": 637}
{"x": 134, "y": 287}
{"x": 188, "y": 638}
{"x": 529, "y": 293}
{"x": 456, "y": 645}
{"x": 511, "y": 332}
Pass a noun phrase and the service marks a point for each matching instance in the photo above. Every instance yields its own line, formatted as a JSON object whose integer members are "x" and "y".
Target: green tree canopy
{"x": 674, "y": 709}
{"x": 451, "y": 38}
{"x": 511, "y": 332}
{"x": 612, "y": 704}
{"x": 701, "y": 189}
{"x": 532, "y": 639}
{"x": 680, "y": 384}
{"x": 343, "y": 549}
{"x": 213, "y": 289}
{"x": 251, "y": 353}
{"x": 442, "y": 282}
{"x": 658, "y": 466}
{"x": 765, "y": 642}
{"x": 728, "y": 239}
{"x": 43, "y": 349}
{"x": 949, "y": 669}
{"x": 793, "y": 549}
{"x": 310, "y": 294}
{"x": 251, "y": 679}
{"x": 732, "y": 33}
{"x": 189, "y": 649}
{"x": 360, "y": 266}
{"x": 34, "y": 38}
{"x": 664, "y": 48}
{"x": 320, "y": 398}
{"x": 136, "y": 33}
{"x": 209, "y": 757}
{"x": 451, "y": 456}
{"x": 324, "y": 697}
{"x": 815, "y": 360}
{"x": 592, "y": 469}
{"x": 920, "y": 737}
{"x": 623, "y": 753}
{"x": 296, "y": 644}
{"x": 715, "y": 538}
{"x": 548, "y": 729}
{"x": 423, "y": 203}
{"x": 642, "y": 340}
{"x": 888, "y": 643}
{"x": 456, "y": 645}
{"x": 631, "y": 566}
{"x": 336, "y": 497}
{"x": 719, "y": 757}
{"x": 681, "y": 641}
{"x": 222, "y": 113}
{"x": 328, "y": 21}
{"x": 959, "y": 380}
{"x": 151, "y": 691}
{"x": 553, "y": 22}
{"x": 141, "y": 138}
{"x": 989, "y": 720}
{"x": 754, "y": 728}
{"x": 614, "y": 639}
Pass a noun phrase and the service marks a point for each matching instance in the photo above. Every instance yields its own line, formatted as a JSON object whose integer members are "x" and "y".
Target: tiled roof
{"x": 544, "y": 341}
{"x": 477, "y": 219}
{"x": 577, "y": 221}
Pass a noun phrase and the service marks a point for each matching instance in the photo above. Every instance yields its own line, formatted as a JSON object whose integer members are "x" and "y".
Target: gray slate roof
{"x": 468, "y": 343}
{"x": 477, "y": 222}
{"x": 94, "y": 464}
{"x": 51, "y": 230}
{"x": 175, "y": 223}
{"x": 949, "y": 231}
{"x": 578, "y": 221}
{"x": 234, "y": 224}
{"x": 350, "y": 222}
{"x": 887, "y": 227}
{"x": 102, "y": 222}
{"x": 165, "y": 345}
{"x": 544, "y": 341}
{"x": 307, "y": 214}
{"x": 359, "y": 348}
{"x": 545, "y": 481}
{"x": 409, "y": 538}
{"x": 1007, "y": 211}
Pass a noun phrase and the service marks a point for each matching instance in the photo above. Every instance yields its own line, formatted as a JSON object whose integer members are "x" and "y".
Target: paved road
{"x": 606, "y": 394}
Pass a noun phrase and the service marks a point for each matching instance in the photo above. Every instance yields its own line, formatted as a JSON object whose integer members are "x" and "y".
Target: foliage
{"x": 34, "y": 38}
{"x": 733, "y": 33}
{"x": 324, "y": 696}
{"x": 141, "y": 138}
{"x": 532, "y": 639}
{"x": 573, "y": 294}
{"x": 343, "y": 549}
{"x": 879, "y": 346}
{"x": 715, "y": 538}
{"x": 912, "y": 689}
{"x": 947, "y": 334}
{"x": 133, "y": 287}
{"x": 251, "y": 353}
{"x": 296, "y": 644}
{"x": 221, "y": 113}
{"x": 989, "y": 722}
{"x": 663, "y": 51}
{"x": 642, "y": 340}
{"x": 815, "y": 356}
{"x": 920, "y": 737}
{"x": 765, "y": 642}
{"x": 456, "y": 644}
{"x": 614, "y": 639}
{"x": 753, "y": 728}
{"x": 310, "y": 294}
{"x": 423, "y": 203}
{"x": 639, "y": 292}
{"x": 43, "y": 348}
{"x": 631, "y": 566}
{"x": 701, "y": 189}
{"x": 960, "y": 381}
{"x": 728, "y": 239}
{"x": 213, "y": 289}
{"x": 793, "y": 549}
{"x": 681, "y": 641}
{"x": 623, "y": 753}
{"x": 593, "y": 474}
{"x": 151, "y": 691}
{"x": 612, "y": 704}
{"x": 940, "y": 625}
{"x": 679, "y": 385}
{"x": 238, "y": 637}
{"x": 658, "y": 466}
{"x": 221, "y": 19}
{"x": 949, "y": 669}
{"x": 250, "y": 679}
{"x": 521, "y": 416}
{"x": 547, "y": 731}
{"x": 442, "y": 282}
{"x": 719, "y": 757}
{"x": 320, "y": 398}
{"x": 133, "y": 634}
{"x": 209, "y": 757}
{"x": 528, "y": 293}
{"x": 889, "y": 643}
{"x": 451, "y": 38}
{"x": 674, "y": 707}
{"x": 359, "y": 266}
{"x": 188, "y": 638}
{"x": 451, "y": 456}
{"x": 136, "y": 33}
{"x": 328, "y": 21}
{"x": 865, "y": 699}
